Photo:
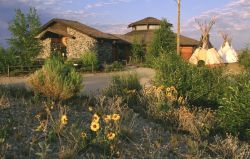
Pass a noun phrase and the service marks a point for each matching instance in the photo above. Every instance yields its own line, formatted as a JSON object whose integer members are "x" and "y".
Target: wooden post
{"x": 178, "y": 26}
{"x": 92, "y": 67}
{"x": 8, "y": 70}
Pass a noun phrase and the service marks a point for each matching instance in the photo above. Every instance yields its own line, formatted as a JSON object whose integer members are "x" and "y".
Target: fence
{"x": 22, "y": 69}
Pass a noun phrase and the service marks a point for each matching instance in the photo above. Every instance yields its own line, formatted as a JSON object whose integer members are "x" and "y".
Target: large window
{"x": 142, "y": 27}
{"x": 154, "y": 27}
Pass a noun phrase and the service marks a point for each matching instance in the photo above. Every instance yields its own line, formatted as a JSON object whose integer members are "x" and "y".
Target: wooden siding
{"x": 186, "y": 52}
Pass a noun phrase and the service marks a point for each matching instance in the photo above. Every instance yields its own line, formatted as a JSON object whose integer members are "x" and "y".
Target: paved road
{"x": 92, "y": 82}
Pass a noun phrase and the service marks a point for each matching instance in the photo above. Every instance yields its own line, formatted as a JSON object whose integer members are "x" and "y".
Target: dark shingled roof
{"x": 146, "y": 21}
{"x": 148, "y": 35}
{"x": 92, "y": 32}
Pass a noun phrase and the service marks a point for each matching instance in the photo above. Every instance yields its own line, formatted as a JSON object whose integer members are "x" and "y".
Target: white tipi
{"x": 227, "y": 52}
{"x": 206, "y": 52}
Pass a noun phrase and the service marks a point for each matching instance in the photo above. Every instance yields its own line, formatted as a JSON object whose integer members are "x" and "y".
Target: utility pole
{"x": 178, "y": 26}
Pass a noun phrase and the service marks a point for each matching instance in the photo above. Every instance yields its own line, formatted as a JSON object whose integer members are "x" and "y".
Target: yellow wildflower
{"x": 172, "y": 88}
{"x": 95, "y": 126}
{"x": 64, "y": 119}
{"x": 169, "y": 95}
{"x": 41, "y": 127}
{"x": 95, "y": 118}
{"x": 111, "y": 136}
{"x": 168, "y": 89}
{"x": 131, "y": 91}
{"x": 159, "y": 89}
{"x": 180, "y": 99}
{"x": 90, "y": 109}
{"x": 116, "y": 117}
{"x": 38, "y": 116}
{"x": 107, "y": 118}
{"x": 83, "y": 134}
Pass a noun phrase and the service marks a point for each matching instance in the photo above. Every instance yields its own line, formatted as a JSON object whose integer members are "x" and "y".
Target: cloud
{"x": 105, "y": 3}
{"x": 113, "y": 28}
{"x": 233, "y": 18}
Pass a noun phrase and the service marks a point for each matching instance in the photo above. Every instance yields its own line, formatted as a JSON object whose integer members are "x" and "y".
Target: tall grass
{"x": 122, "y": 84}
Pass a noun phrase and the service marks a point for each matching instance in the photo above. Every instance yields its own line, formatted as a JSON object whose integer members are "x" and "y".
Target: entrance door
{"x": 115, "y": 52}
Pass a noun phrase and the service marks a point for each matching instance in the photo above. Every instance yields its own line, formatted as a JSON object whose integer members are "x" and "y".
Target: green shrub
{"x": 117, "y": 66}
{"x": 122, "y": 84}
{"x": 89, "y": 61}
{"x": 235, "y": 107}
{"x": 244, "y": 58}
{"x": 56, "y": 80}
{"x": 138, "y": 51}
{"x": 201, "y": 85}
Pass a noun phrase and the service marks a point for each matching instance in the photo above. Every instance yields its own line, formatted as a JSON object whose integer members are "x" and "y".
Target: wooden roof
{"x": 59, "y": 32}
{"x": 92, "y": 32}
{"x": 148, "y": 35}
{"x": 146, "y": 21}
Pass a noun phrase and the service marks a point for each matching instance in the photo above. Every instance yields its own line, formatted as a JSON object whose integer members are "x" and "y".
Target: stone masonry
{"x": 46, "y": 48}
{"x": 81, "y": 44}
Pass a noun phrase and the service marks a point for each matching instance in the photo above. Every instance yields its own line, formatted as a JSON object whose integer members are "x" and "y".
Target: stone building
{"x": 144, "y": 29}
{"x": 74, "y": 39}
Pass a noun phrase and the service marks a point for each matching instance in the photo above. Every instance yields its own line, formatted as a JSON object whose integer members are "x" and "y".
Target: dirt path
{"x": 92, "y": 82}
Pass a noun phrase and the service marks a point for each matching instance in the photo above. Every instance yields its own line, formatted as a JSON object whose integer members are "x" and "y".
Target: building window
{"x": 142, "y": 27}
{"x": 154, "y": 27}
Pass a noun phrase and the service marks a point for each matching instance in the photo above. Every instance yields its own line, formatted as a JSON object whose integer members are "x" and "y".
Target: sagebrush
{"x": 56, "y": 80}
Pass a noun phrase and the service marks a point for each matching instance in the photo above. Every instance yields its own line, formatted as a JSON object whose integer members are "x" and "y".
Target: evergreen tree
{"x": 24, "y": 28}
{"x": 138, "y": 51}
{"x": 164, "y": 40}
{"x": 2, "y": 59}
{"x": 6, "y": 58}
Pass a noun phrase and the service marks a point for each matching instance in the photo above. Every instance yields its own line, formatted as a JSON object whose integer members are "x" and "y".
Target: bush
{"x": 235, "y": 107}
{"x": 244, "y": 58}
{"x": 138, "y": 51}
{"x": 123, "y": 84}
{"x": 89, "y": 61}
{"x": 56, "y": 80}
{"x": 116, "y": 66}
{"x": 230, "y": 147}
{"x": 200, "y": 85}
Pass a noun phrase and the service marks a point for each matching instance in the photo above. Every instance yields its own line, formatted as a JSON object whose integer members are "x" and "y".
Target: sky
{"x": 113, "y": 16}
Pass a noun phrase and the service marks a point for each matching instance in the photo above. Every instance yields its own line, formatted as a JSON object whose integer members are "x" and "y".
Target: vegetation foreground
{"x": 127, "y": 120}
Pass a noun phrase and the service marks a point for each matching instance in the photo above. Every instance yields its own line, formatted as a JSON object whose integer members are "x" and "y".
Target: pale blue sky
{"x": 114, "y": 15}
